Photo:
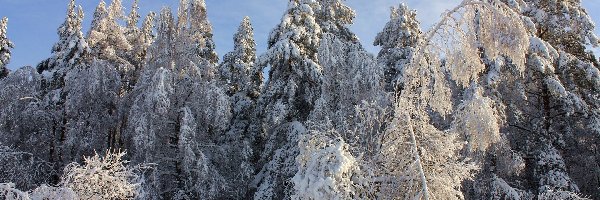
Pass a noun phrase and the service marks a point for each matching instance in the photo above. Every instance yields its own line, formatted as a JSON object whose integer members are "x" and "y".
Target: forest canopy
{"x": 498, "y": 100}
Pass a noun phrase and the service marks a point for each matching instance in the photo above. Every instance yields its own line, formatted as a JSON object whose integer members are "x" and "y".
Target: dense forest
{"x": 498, "y": 100}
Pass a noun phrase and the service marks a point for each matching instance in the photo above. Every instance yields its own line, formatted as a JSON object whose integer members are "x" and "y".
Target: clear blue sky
{"x": 33, "y": 23}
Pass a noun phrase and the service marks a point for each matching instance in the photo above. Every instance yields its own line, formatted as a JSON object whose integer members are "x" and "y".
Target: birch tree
{"x": 431, "y": 157}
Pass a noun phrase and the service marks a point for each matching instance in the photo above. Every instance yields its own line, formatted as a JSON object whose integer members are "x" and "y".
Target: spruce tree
{"x": 76, "y": 81}
{"x": 398, "y": 41}
{"x": 566, "y": 25}
{"x": 238, "y": 68}
{"x": 29, "y": 100}
{"x": 289, "y": 96}
{"x": 133, "y": 35}
{"x": 570, "y": 81}
{"x": 334, "y": 17}
{"x": 5, "y": 46}
{"x": 550, "y": 109}
{"x": 242, "y": 80}
{"x": 98, "y": 26}
{"x": 70, "y": 53}
{"x": 295, "y": 76}
{"x": 72, "y": 48}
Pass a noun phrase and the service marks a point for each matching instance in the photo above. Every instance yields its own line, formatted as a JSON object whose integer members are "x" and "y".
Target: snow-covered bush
{"x": 101, "y": 177}
{"x": 326, "y": 169}
{"x": 105, "y": 177}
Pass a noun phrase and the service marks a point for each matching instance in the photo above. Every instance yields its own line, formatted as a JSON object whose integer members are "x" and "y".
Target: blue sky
{"x": 33, "y": 23}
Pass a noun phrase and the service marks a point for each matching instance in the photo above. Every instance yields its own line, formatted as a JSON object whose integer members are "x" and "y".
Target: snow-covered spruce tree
{"x": 340, "y": 76}
{"x": 564, "y": 24}
{"x": 288, "y": 98}
{"x": 398, "y": 41}
{"x": 574, "y": 118}
{"x": 180, "y": 111}
{"x": 334, "y": 17}
{"x": 132, "y": 19}
{"x": 562, "y": 91}
{"x": 71, "y": 49}
{"x": 140, "y": 45}
{"x": 238, "y": 68}
{"x": 5, "y": 46}
{"x": 147, "y": 35}
{"x": 295, "y": 76}
{"x": 46, "y": 108}
{"x": 74, "y": 82}
{"x": 243, "y": 80}
{"x": 535, "y": 112}
{"x": 98, "y": 26}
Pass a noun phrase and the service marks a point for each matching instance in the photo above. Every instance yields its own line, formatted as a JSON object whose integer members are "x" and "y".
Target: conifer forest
{"x": 499, "y": 99}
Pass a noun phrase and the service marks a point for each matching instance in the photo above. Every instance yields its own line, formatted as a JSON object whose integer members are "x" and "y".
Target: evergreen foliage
{"x": 498, "y": 100}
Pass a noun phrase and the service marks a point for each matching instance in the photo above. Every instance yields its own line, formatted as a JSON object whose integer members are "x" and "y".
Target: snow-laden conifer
{"x": 238, "y": 67}
{"x": 334, "y": 16}
{"x": 564, "y": 24}
{"x": 289, "y": 96}
{"x": 398, "y": 41}
{"x": 242, "y": 79}
{"x": 72, "y": 49}
{"x": 5, "y": 48}
{"x": 140, "y": 39}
